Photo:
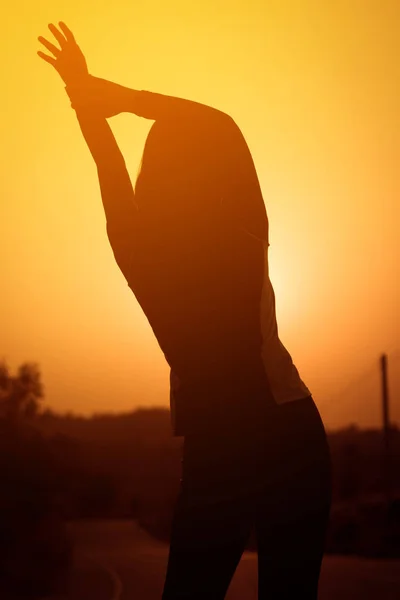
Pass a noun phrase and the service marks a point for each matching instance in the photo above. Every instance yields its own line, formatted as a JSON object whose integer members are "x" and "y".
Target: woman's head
{"x": 196, "y": 168}
{"x": 177, "y": 166}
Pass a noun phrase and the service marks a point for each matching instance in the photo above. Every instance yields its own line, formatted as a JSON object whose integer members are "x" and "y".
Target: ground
{"x": 116, "y": 560}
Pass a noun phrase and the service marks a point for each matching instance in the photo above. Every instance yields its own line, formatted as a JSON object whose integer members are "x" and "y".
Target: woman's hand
{"x": 68, "y": 60}
{"x": 86, "y": 92}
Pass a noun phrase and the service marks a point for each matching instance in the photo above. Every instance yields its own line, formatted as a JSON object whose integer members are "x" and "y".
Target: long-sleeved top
{"x": 198, "y": 266}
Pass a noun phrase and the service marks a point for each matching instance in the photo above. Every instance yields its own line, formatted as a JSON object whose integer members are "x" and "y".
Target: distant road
{"x": 116, "y": 560}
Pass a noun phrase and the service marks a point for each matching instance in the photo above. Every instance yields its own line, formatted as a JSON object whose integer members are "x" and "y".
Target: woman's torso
{"x": 208, "y": 297}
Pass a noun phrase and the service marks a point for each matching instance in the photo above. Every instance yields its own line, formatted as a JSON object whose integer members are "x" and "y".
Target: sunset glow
{"x": 315, "y": 90}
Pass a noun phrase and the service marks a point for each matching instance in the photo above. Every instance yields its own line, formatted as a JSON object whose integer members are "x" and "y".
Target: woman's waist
{"x": 219, "y": 371}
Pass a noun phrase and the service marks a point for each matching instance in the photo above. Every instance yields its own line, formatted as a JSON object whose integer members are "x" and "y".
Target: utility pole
{"x": 387, "y": 459}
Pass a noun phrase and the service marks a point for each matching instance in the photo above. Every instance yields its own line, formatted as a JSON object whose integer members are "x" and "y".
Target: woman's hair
{"x": 198, "y": 168}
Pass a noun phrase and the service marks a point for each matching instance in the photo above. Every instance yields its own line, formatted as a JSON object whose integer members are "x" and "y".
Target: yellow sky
{"x": 315, "y": 88}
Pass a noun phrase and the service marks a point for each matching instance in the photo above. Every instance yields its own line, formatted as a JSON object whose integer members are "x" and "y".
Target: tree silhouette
{"x": 20, "y": 394}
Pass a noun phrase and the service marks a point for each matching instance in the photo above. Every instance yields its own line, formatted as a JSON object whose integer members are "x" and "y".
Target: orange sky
{"x": 315, "y": 88}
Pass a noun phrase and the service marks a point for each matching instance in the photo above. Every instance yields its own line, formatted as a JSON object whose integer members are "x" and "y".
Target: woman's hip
{"x": 293, "y": 443}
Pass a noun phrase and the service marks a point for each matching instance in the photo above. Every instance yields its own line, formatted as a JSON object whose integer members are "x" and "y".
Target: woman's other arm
{"x": 111, "y": 99}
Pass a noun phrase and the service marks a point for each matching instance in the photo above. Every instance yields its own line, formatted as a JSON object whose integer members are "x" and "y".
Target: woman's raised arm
{"x": 115, "y": 185}
{"x": 116, "y": 188}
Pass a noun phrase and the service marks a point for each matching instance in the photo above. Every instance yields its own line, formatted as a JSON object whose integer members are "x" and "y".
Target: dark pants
{"x": 274, "y": 480}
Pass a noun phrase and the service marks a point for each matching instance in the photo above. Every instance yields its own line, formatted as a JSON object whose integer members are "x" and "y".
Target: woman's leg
{"x": 290, "y": 557}
{"x": 198, "y": 569}
{"x": 293, "y": 510}
{"x": 211, "y": 524}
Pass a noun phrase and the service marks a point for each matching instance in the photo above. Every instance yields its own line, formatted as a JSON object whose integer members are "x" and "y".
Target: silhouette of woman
{"x": 192, "y": 242}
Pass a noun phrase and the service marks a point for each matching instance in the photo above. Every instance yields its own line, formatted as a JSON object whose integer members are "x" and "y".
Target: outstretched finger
{"x": 67, "y": 32}
{"x": 56, "y": 51}
{"x": 47, "y": 58}
{"x": 59, "y": 36}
